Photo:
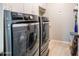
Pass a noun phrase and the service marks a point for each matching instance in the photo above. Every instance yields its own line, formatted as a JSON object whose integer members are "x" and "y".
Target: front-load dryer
{"x": 44, "y": 35}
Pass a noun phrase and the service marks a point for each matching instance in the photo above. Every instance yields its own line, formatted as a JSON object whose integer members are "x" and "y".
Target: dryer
{"x": 44, "y": 35}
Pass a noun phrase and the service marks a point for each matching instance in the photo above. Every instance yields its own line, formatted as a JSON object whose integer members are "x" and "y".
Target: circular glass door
{"x": 33, "y": 44}
{"x": 32, "y": 39}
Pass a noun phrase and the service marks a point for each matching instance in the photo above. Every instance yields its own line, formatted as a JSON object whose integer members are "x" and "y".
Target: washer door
{"x": 33, "y": 39}
{"x": 20, "y": 39}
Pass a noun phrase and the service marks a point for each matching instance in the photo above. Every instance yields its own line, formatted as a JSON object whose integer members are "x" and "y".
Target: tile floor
{"x": 58, "y": 48}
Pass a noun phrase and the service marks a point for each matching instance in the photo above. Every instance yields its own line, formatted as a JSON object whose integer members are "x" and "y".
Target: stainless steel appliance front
{"x": 21, "y": 34}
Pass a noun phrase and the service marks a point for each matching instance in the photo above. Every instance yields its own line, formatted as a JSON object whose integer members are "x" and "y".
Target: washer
{"x": 21, "y": 34}
{"x": 33, "y": 29}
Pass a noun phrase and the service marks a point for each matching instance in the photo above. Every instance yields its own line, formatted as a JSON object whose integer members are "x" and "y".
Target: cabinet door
{"x": 17, "y": 7}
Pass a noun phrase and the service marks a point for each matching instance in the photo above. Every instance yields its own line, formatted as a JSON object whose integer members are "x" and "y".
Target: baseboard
{"x": 62, "y": 42}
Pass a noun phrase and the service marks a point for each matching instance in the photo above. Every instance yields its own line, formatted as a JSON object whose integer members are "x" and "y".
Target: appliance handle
{"x": 19, "y": 25}
{"x": 45, "y": 22}
{"x": 34, "y": 24}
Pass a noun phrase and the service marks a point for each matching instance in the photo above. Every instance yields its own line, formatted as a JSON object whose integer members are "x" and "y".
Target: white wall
{"x": 61, "y": 20}
{"x": 1, "y": 29}
{"x": 31, "y": 8}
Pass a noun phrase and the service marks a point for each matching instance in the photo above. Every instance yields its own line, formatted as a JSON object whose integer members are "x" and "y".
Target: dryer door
{"x": 45, "y": 32}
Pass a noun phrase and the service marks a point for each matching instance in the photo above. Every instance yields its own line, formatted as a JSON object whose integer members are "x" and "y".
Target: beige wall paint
{"x": 61, "y": 20}
{"x": 30, "y": 8}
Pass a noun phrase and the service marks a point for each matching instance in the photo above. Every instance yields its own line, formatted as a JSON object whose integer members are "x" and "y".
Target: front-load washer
{"x": 15, "y": 33}
{"x": 33, "y": 29}
{"x": 21, "y": 32}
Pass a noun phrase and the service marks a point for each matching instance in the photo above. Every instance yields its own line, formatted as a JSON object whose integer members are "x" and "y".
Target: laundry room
{"x": 39, "y": 29}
